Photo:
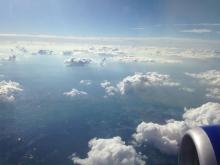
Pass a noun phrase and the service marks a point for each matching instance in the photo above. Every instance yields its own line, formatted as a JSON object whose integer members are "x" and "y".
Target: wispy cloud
{"x": 199, "y": 24}
{"x": 138, "y": 28}
{"x": 197, "y": 31}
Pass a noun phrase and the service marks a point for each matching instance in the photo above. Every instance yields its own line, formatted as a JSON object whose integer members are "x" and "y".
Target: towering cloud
{"x": 140, "y": 81}
{"x": 112, "y": 151}
{"x": 8, "y": 89}
{"x": 167, "y": 137}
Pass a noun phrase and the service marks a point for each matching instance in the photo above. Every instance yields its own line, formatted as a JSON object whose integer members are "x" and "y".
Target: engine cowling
{"x": 201, "y": 146}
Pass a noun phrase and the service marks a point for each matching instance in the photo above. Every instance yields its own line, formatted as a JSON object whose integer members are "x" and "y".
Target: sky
{"x": 145, "y": 18}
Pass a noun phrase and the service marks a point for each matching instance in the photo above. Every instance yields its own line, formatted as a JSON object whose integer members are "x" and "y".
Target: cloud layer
{"x": 8, "y": 89}
{"x": 167, "y": 137}
{"x": 210, "y": 78}
{"x": 112, "y": 151}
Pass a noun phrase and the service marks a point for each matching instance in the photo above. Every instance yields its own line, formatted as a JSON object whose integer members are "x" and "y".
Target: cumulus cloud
{"x": 140, "y": 81}
{"x": 22, "y": 49}
{"x": 167, "y": 137}
{"x": 10, "y": 58}
{"x": 74, "y": 93}
{"x": 86, "y": 82}
{"x": 8, "y": 89}
{"x": 77, "y": 61}
{"x": 212, "y": 79}
{"x": 110, "y": 90}
{"x": 105, "y": 83}
{"x": 43, "y": 52}
{"x": 111, "y": 151}
{"x": 197, "y": 31}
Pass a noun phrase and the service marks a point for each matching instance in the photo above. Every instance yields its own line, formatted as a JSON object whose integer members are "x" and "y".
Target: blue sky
{"x": 148, "y": 18}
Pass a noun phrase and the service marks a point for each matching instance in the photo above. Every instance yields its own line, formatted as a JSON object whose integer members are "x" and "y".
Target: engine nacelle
{"x": 201, "y": 146}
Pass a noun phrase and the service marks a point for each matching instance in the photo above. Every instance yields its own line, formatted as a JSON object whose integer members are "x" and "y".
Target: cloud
{"x": 213, "y": 93}
{"x": 110, "y": 90}
{"x": 105, "y": 83}
{"x": 77, "y": 61}
{"x": 111, "y": 151}
{"x": 43, "y": 52}
{"x": 140, "y": 81}
{"x": 129, "y": 59}
{"x": 74, "y": 93}
{"x": 12, "y": 58}
{"x": 199, "y": 31}
{"x": 212, "y": 79}
{"x": 199, "y": 24}
{"x": 167, "y": 137}
{"x": 138, "y": 28}
{"x": 86, "y": 82}
{"x": 9, "y": 58}
{"x": 8, "y": 89}
{"x": 199, "y": 54}
{"x": 21, "y": 49}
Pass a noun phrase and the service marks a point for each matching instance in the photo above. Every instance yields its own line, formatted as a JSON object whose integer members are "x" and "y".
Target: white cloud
{"x": 140, "y": 81}
{"x": 112, "y": 151}
{"x": 167, "y": 137}
{"x": 138, "y": 28}
{"x": 105, "y": 83}
{"x": 110, "y": 90}
{"x": 129, "y": 59}
{"x": 86, "y": 82}
{"x": 8, "y": 89}
{"x": 77, "y": 61}
{"x": 74, "y": 93}
{"x": 196, "y": 54}
{"x": 10, "y": 58}
{"x": 213, "y": 93}
{"x": 199, "y": 24}
{"x": 43, "y": 52}
{"x": 212, "y": 79}
{"x": 197, "y": 31}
